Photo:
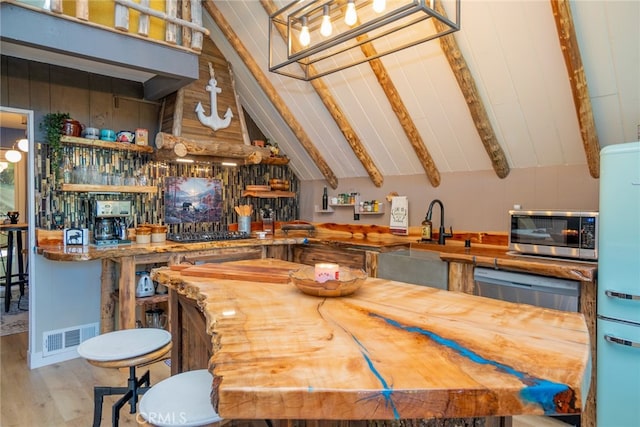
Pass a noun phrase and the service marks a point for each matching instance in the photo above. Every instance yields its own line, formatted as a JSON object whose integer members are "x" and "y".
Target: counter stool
{"x": 181, "y": 400}
{"x": 126, "y": 348}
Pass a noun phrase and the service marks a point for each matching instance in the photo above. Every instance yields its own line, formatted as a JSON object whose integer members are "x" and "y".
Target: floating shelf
{"x": 268, "y": 194}
{"x": 341, "y": 205}
{"x": 96, "y": 143}
{"x": 317, "y": 209}
{"x": 95, "y": 188}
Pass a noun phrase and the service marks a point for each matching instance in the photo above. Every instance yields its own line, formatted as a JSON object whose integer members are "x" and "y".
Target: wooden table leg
{"x": 107, "y": 301}
{"x": 127, "y": 297}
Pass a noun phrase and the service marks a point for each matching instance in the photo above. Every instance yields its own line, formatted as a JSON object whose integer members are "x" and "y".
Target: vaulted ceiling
{"x": 515, "y": 58}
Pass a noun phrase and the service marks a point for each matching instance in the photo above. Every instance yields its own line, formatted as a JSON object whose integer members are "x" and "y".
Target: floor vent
{"x": 60, "y": 340}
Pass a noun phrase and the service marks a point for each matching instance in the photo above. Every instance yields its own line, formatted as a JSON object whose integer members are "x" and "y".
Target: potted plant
{"x": 51, "y": 125}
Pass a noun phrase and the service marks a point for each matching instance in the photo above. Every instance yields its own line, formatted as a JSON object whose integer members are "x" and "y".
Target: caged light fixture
{"x": 325, "y": 36}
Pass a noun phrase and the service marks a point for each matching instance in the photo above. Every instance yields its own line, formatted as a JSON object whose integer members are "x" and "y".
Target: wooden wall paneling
{"x": 39, "y": 95}
{"x": 18, "y": 83}
{"x": 126, "y": 115}
{"x": 4, "y": 84}
{"x": 100, "y": 102}
{"x": 70, "y": 92}
{"x": 196, "y": 92}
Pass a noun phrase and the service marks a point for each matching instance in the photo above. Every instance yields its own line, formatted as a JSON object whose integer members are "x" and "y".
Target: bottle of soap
{"x": 426, "y": 230}
{"x": 325, "y": 200}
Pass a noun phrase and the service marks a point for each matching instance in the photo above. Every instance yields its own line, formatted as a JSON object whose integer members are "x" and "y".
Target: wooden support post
{"x": 127, "y": 295}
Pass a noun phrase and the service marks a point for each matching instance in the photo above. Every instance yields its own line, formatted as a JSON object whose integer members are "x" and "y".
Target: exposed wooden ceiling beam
{"x": 578, "y": 81}
{"x": 271, "y": 93}
{"x": 398, "y": 107}
{"x": 336, "y": 112}
{"x": 470, "y": 92}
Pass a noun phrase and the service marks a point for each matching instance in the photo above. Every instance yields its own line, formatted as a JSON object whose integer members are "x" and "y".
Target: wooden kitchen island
{"x": 390, "y": 351}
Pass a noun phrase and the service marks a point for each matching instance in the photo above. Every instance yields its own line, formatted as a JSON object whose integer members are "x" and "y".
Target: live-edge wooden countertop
{"x": 479, "y": 255}
{"x": 390, "y": 351}
{"x": 58, "y": 252}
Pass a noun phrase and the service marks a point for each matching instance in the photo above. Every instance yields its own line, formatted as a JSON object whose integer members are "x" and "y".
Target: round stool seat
{"x": 181, "y": 400}
{"x": 124, "y": 344}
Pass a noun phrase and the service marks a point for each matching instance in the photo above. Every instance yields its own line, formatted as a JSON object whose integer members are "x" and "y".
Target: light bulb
{"x": 350, "y": 16}
{"x": 325, "y": 27}
{"x": 23, "y": 145}
{"x": 305, "y": 37}
{"x": 13, "y": 156}
{"x": 379, "y": 5}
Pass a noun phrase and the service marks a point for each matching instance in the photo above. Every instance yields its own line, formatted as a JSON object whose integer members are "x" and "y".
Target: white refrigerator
{"x": 618, "y": 325}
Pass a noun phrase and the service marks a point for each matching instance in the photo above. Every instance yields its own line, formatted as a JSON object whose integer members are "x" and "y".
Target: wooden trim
{"x": 272, "y": 94}
{"x": 336, "y": 112}
{"x": 578, "y": 81}
{"x": 474, "y": 101}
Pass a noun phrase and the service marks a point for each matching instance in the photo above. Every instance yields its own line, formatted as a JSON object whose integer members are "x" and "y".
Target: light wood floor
{"x": 59, "y": 394}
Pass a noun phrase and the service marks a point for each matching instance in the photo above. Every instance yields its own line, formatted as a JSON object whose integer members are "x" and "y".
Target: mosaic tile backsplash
{"x": 60, "y": 209}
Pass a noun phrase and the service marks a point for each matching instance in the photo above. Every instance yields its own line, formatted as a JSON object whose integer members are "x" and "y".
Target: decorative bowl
{"x": 350, "y": 281}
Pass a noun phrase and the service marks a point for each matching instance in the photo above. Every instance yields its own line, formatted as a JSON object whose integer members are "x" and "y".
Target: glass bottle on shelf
{"x": 325, "y": 200}
{"x": 67, "y": 171}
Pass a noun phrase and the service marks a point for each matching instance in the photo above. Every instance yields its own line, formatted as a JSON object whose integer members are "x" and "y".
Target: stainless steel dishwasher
{"x": 541, "y": 291}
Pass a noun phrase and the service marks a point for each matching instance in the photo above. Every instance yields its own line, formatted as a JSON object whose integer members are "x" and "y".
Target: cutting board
{"x": 240, "y": 270}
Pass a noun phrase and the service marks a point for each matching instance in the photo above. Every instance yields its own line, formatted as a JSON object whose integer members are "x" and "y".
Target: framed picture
{"x": 76, "y": 236}
{"x": 192, "y": 200}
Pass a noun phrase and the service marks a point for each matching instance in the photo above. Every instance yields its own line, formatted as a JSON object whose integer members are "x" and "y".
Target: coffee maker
{"x": 111, "y": 221}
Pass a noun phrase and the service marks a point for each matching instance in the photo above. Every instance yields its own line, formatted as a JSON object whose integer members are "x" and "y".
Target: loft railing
{"x": 183, "y": 25}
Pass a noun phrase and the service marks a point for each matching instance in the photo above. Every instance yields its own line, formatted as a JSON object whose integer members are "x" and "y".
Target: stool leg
{"x": 98, "y": 395}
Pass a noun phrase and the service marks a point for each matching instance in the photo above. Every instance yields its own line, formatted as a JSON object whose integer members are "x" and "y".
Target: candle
{"x": 326, "y": 271}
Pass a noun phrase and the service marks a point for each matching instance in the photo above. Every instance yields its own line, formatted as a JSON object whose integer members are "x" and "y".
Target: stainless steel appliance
{"x": 111, "y": 221}
{"x": 565, "y": 234}
{"x": 618, "y": 324}
{"x": 533, "y": 289}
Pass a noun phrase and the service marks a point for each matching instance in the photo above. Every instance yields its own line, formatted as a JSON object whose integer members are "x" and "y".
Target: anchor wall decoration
{"x": 213, "y": 121}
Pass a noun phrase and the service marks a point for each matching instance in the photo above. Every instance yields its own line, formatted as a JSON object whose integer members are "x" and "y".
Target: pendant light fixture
{"x": 325, "y": 36}
{"x": 23, "y": 145}
{"x": 13, "y": 155}
{"x": 326, "y": 28}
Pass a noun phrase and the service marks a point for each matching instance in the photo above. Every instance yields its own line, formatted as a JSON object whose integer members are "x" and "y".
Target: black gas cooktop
{"x": 207, "y": 236}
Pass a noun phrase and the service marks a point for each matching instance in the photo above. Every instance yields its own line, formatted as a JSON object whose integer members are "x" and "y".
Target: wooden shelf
{"x": 96, "y": 188}
{"x": 267, "y": 194}
{"x": 275, "y": 160}
{"x": 153, "y": 299}
{"x": 96, "y": 143}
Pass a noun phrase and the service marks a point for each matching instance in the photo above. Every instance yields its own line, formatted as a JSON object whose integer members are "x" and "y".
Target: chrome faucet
{"x": 441, "y": 234}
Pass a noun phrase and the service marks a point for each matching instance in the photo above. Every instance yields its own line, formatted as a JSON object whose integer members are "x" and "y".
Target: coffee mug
{"x": 91, "y": 133}
{"x": 107, "y": 135}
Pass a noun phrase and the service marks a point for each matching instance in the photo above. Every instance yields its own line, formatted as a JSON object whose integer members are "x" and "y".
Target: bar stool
{"x": 181, "y": 400}
{"x": 126, "y": 348}
{"x": 14, "y": 230}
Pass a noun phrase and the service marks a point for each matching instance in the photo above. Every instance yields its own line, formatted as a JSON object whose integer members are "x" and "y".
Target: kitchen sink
{"x": 414, "y": 266}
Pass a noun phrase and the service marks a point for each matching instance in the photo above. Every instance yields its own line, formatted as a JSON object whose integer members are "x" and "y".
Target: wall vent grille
{"x": 60, "y": 340}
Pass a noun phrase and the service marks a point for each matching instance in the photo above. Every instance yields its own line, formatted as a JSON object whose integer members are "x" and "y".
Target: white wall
{"x": 473, "y": 201}
{"x": 61, "y": 295}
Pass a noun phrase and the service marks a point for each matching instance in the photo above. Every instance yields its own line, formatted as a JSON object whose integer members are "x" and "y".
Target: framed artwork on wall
{"x": 192, "y": 200}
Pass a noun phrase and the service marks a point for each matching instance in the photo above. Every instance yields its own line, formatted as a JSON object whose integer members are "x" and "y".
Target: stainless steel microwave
{"x": 563, "y": 234}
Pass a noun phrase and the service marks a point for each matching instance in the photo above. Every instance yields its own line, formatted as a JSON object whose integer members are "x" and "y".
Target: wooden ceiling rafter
{"x": 470, "y": 93}
{"x": 271, "y": 93}
{"x": 336, "y": 112}
{"x": 578, "y": 81}
{"x": 399, "y": 108}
